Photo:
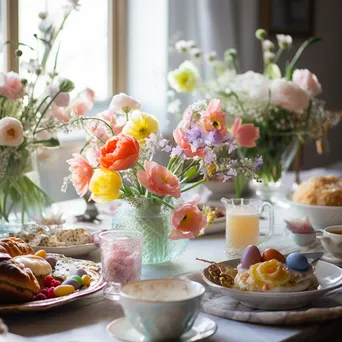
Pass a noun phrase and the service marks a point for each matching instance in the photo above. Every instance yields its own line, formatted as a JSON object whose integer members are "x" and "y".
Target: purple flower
{"x": 210, "y": 156}
{"x": 214, "y": 138}
{"x": 177, "y": 152}
{"x": 196, "y": 137}
{"x": 231, "y": 146}
{"x": 258, "y": 163}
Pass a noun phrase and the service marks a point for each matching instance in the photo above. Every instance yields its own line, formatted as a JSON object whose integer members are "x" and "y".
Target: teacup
{"x": 162, "y": 309}
{"x": 332, "y": 240}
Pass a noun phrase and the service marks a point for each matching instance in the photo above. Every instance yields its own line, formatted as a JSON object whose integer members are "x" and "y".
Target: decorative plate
{"x": 329, "y": 277}
{"x": 70, "y": 251}
{"x": 63, "y": 266}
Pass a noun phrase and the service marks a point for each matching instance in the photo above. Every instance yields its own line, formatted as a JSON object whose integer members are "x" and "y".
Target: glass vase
{"x": 21, "y": 197}
{"x": 153, "y": 221}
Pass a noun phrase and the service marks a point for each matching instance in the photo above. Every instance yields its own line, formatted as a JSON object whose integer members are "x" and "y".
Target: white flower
{"x": 62, "y": 99}
{"x": 190, "y": 44}
{"x": 171, "y": 94}
{"x": 196, "y": 52}
{"x": 267, "y": 45}
{"x": 284, "y": 41}
{"x": 11, "y": 132}
{"x": 46, "y": 25}
{"x": 269, "y": 56}
{"x": 74, "y": 4}
{"x": 33, "y": 66}
{"x": 185, "y": 78}
{"x": 174, "y": 106}
{"x": 122, "y": 103}
{"x": 211, "y": 56}
{"x": 181, "y": 46}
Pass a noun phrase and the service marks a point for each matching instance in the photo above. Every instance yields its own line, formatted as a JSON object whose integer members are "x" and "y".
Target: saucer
{"x": 330, "y": 258}
{"x": 122, "y": 330}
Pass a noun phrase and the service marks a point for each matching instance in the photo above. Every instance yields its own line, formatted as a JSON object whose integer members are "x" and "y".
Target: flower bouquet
{"x": 28, "y": 121}
{"x": 116, "y": 163}
{"x": 283, "y": 104}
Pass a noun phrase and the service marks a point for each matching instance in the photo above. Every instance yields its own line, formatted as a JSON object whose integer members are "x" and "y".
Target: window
{"x": 2, "y": 35}
{"x": 84, "y": 54}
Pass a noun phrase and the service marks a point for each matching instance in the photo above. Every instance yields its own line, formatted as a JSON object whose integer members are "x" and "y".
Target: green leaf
{"x": 52, "y": 142}
{"x": 14, "y": 42}
{"x": 191, "y": 172}
{"x": 272, "y": 71}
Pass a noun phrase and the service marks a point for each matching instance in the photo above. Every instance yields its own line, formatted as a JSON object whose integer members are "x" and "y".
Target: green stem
{"x": 161, "y": 201}
{"x": 194, "y": 185}
{"x": 278, "y": 54}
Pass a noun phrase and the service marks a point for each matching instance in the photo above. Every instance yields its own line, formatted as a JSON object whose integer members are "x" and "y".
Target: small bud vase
{"x": 153, "y": 220}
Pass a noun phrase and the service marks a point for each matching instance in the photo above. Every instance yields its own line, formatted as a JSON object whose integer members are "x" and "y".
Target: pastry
{"x": 39, "y": 266}
{"x": 17, "y": 283}
{"x": 14, "y": 246}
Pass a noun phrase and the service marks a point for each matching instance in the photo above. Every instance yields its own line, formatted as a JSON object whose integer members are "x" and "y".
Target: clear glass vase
{"x": 153, "y": 220}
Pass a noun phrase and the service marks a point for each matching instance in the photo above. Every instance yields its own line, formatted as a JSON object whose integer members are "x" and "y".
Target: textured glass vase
{"x": 153, "y": 220}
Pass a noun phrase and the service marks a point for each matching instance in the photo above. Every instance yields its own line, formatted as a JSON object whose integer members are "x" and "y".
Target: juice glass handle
{"x": 270, "y": 220}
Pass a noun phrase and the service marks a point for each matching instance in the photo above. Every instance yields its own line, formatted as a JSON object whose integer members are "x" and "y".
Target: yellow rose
{"x": 105, "y": 185}
{"x": 185, "y": 78}
{"x": 141, "y": 125}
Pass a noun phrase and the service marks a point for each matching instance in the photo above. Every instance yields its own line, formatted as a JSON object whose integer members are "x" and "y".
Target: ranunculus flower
{"x": 288, "y": 95}
{"x": 11, "y": 86}
{"x": 185, "y": 78}
{"x": 183, "y": 142}
{"x": 141, "y": 125}
{"x": 120, "y": 152}
{"x": 159, "y": 180}
{"x": 81, "y": 173}
{"x": 245, "y": 134}
{"x": 214, "y": 118}
{"x": 62, "y": 99}
{"x": 83, "y": 102}
{"x": 105, "y": 185}
{"x": 11, "y": 132}
{"x": 307, "y": 81}
{"x": 187, "y": 221}
{"x": 122, "y": 103}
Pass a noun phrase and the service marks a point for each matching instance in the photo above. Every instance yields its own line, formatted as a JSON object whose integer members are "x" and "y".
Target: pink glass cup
{"x": 121, "y": 256}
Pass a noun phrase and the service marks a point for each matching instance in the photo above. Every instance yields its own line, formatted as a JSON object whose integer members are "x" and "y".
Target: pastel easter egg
{"x": 297, "y": 262}
{"x": 79, "y": 272}
{"x": 86, "y": 280}
{"x": 271, "y": 253}
{"x": 77, "y": 278}
{"x": 52, "y": 261}
{"x": 250, "y": 256}
{"x": 72, "y": 282}
{"x": 63, "y": 290}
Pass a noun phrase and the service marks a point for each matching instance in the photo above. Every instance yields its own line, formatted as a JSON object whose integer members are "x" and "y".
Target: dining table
{"x": 86, "y": 319}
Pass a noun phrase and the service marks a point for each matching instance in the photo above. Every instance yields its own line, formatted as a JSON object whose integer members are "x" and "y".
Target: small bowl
{"x": 332, "y": 240}
{"x": 302, "y": 240}
{"x": 162, "y": 309}
{"x": 320, "y": 216}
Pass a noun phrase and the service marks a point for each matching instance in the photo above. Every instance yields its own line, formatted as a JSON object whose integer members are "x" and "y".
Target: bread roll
{"x": 17, "y": 283}
{"x": 14, "y": 247}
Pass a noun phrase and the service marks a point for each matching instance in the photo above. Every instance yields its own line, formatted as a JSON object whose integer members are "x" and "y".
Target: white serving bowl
{"x": 329, "y": 277}
{"x": 320, "y": 216}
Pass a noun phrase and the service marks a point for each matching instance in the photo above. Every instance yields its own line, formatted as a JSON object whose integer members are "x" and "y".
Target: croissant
{"x": 14, "y": 246}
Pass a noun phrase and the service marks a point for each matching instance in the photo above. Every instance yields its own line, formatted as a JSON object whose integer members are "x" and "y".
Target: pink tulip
{"x": 81, "y": 173}
{"x": 93, "y": 155}
{"x": 245, "y": 134}
{"x": 11, "y": 86}
{"x": 215, "y": 105}
{"x": 307, "y": 81}
{"x": 187, "y": 221}
{"x": 159, "y": 180}
{"x": 60, "y": 114}
{"x": 83, "y": 102}
{"x": 183, "y": 143}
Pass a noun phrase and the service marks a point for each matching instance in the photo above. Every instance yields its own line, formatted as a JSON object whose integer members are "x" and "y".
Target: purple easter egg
{"x": 250, "y": 256}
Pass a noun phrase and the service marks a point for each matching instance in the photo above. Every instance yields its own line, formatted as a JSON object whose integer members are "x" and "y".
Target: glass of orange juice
{"x": 242, "y": 223}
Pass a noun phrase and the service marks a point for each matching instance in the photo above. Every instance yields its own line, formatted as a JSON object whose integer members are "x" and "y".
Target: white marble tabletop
{"x": 86, "y": 319}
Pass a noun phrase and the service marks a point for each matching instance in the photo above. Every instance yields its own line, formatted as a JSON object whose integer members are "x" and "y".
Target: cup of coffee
{"x": 332, "y": 240}
{"x": 162, "y": 309}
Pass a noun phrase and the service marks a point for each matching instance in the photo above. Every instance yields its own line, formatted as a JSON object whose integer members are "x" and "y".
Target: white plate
{"x": 121, "y": 329}
{"x": 320, "y": 216}
{"x": 329, "y": 277}
{"x": 70, "y": 251}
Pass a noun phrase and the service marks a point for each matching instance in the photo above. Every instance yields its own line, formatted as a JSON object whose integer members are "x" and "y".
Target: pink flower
{"x": 110, "y": 117}
{"x": 62, "y": 99}
{"x": 307, "y": 81}
{"x": 81, "y": 173}
{"x": 83, "y": 102}
{"x": 245, "y": 134}
{"x": 187, "y": 221}
{"x": 183, "y": 143}
{"x": 93, "y": 155}
{"x": 288, "y": 95}
{"x": 11, "y": 86}
{"x": 214, "y": 118}
{"x": 60, "y": 114}
{"x": 159, "y": 180}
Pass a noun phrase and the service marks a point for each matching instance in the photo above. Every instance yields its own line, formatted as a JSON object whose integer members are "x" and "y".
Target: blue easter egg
{"x": 297, "y": 262}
